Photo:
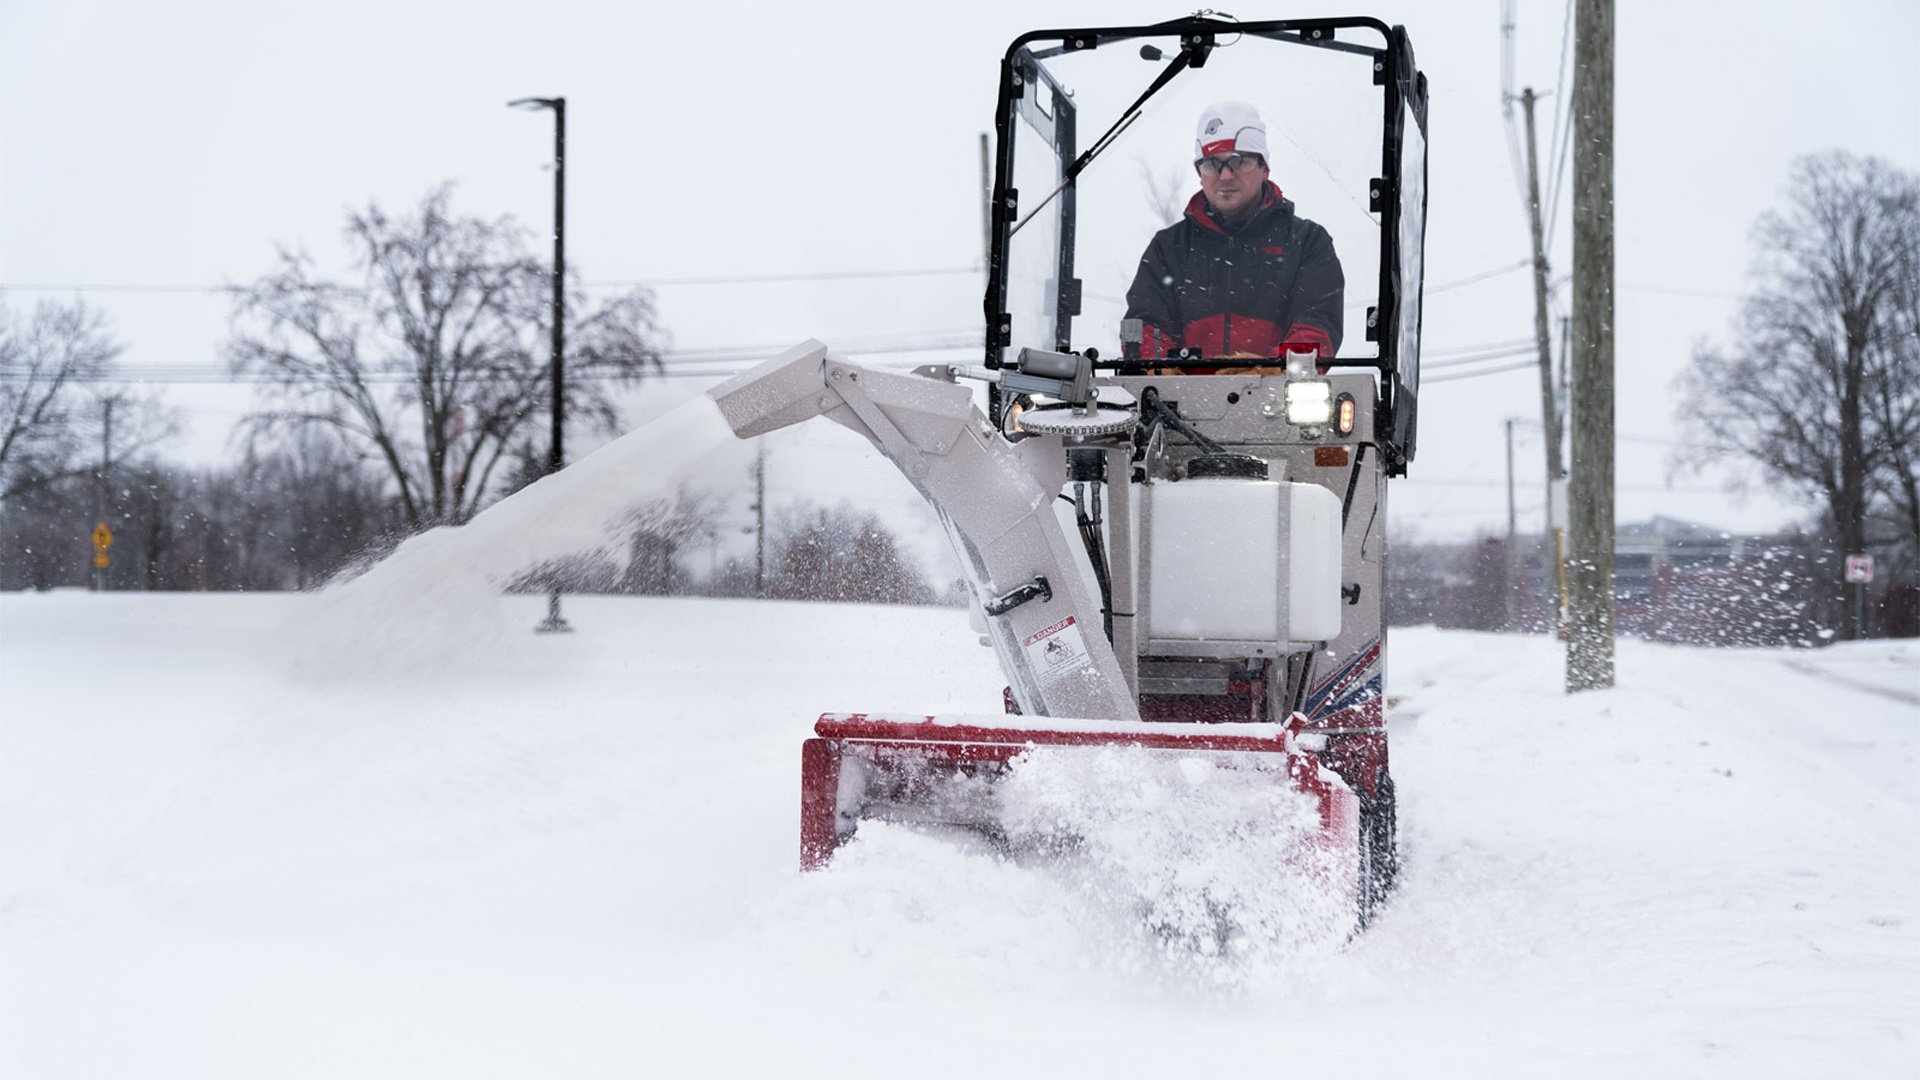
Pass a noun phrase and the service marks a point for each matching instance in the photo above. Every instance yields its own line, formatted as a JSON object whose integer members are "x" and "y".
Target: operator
{"x": 1240, "y": 275}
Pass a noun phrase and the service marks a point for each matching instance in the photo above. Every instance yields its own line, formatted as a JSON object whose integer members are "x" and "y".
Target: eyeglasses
{"x": 1238, "y": 163}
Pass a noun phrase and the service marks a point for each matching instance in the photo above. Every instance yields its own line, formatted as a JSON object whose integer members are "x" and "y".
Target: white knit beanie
{"x": 1230, "y": 127}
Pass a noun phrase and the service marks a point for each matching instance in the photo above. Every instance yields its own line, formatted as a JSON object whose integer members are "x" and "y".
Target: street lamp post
{"x": 556, "y": 454}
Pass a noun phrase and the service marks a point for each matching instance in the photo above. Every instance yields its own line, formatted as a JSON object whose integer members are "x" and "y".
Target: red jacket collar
{"x": 1198, "y": 211}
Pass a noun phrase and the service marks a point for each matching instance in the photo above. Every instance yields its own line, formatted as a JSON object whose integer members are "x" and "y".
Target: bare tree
{"x": 437, "y": 360}
{"x": 1893, "y": 384}
{"x": 645, "y": 554}
{"x": 1167, "y": 191}
{"x": 60, "y": 416}
{"x": 50, "y": 366}
{"x": 322, "y": 507}
{"x": 1796, "y": 392}
{"x": 661, "y": 533}
{"x": 845, "y": 555}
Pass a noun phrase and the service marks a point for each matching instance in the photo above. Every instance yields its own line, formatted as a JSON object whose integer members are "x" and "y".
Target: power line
{"x": 1565, "y": 111}
{"x": 1558, "y": 285}
{"x": 1456, "y": 350}
{"x": 1482, "y": 276}
{"x": 721, "y": 279}
{"x": 757, "y": 279}
{"x": 722, "y": 361}
{"x": 647, "y": 283}
{"x": 1529, "y": 486}
{"x": 1448, "y": 366}
{"x": 1477, "y": 374}
{"x": 1670, "y": 290}
{"x": 1618, "y": 437}
{"x": 1562, "y": 154}
{"x": 1559, "y": 143}
{"x": 1482, "y": 514}
{"x": 102, "y": 287}
{"x": 712, "y": 362}
{"x": 1507, "y": 24}
{"x": 956, "y": 345}
{"x": 1515, "y": 349}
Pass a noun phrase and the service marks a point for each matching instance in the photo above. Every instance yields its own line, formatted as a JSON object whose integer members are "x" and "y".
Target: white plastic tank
{"x": 1214, "y": 561}
{"x": 1313, "y": 527}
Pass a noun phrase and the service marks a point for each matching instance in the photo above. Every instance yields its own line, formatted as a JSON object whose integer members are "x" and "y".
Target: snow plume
{"x": 1118, "y": 874}
{"x": 931, "y": 912}
{"x": 437, "y": 596}
{"x": 1210, "y": 862}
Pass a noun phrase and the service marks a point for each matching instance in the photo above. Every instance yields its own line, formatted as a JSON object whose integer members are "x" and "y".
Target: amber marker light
{"x": 1346, "y": 414}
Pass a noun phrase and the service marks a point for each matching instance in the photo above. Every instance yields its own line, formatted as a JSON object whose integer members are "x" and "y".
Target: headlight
{"x": 1309, "y": 402}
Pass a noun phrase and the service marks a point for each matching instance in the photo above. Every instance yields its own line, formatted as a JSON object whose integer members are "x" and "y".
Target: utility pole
{"x": 760, "y": 519}
{"x": 1566, "y": 379}
{"x": 1513, "y": 590}
{"x": 556, "y": 450}
{"x": 1549, "y": 409}
{"x": 102, "y": 536}
{"x": 1590, "y": 577}
{"x": 1559, "y": 500}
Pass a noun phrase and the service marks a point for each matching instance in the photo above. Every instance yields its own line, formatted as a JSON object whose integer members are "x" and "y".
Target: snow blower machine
{"x": 1170, "y": 506}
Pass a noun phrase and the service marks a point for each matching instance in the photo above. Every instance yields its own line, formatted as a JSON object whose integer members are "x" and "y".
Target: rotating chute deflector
{"x": 999, "y": 516}
{"x": 805, "y": 382}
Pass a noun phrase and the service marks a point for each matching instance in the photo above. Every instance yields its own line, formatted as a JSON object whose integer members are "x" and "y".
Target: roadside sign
{"x": 1859, "y": 569}
{"x": 102, "y": 540}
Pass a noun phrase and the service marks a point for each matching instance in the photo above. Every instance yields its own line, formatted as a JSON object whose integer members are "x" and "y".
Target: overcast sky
{"x": 148, "y": 152}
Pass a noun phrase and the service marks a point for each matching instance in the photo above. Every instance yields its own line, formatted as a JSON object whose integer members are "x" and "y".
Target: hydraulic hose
{"x": 1154, "y": 410}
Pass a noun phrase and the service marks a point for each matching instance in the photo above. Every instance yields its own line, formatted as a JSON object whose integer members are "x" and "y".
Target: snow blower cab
{"x": 1166, "y": 477}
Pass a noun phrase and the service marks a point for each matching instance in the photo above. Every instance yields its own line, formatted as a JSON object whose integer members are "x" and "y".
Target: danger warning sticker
{"x": 1056, "y": 652}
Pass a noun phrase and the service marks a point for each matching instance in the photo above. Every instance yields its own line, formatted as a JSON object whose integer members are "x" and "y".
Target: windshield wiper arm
{"x": 1180, "y": 63}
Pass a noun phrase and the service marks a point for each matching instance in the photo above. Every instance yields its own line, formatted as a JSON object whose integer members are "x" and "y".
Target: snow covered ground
{"x": 493, "y": 853}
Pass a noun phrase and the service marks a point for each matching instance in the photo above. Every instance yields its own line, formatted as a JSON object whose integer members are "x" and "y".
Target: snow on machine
{"x": 1181, "y": 549}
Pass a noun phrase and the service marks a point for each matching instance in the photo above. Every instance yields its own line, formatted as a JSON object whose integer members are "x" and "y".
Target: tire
{"x": 1379, "y": 858}
{"x": 1365, "y": 893}
{"x": 1387, "y": 842}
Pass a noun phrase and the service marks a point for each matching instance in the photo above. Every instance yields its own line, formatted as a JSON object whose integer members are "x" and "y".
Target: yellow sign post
{"x": 102, "y": 540}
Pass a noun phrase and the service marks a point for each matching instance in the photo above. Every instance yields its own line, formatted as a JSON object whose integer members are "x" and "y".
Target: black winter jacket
{"x": 1273, "y": 282}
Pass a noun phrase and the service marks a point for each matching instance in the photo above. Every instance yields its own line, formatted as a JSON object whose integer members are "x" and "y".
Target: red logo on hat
{"x": 1223, "y": 146}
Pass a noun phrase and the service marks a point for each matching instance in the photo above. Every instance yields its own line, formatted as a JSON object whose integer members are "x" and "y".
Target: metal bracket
{"x": 1037, "y": 588}
{"x": 910, "y": 458}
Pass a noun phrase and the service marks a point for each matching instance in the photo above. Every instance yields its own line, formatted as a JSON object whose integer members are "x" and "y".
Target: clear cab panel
{"x": 1324, "y": 121}
{"x": 1099, "y": 139}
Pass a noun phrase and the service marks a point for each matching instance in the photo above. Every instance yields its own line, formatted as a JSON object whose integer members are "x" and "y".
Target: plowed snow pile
{"x": 574, "y": 855}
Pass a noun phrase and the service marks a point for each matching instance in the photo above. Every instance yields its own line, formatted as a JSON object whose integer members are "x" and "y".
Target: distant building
{"x": 1674, "y": 580}
{"x": 1646, "y": 553}
{"x": 1679, "y": 581}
